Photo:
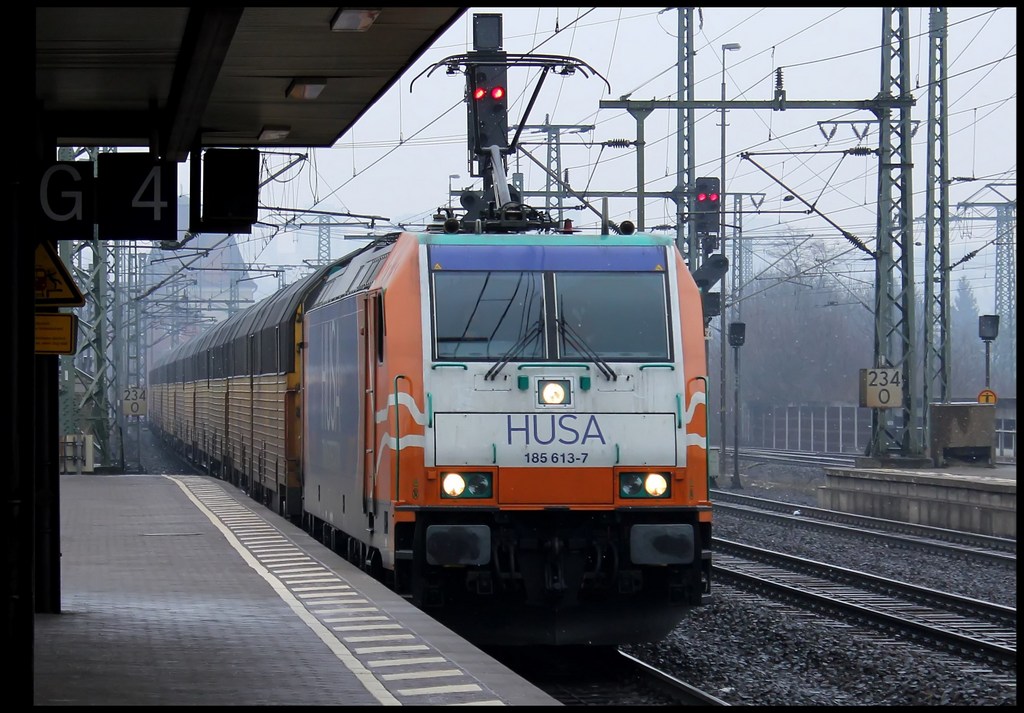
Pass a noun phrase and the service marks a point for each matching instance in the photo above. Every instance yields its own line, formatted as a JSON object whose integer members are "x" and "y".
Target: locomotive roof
{"x": 543, "y": 239}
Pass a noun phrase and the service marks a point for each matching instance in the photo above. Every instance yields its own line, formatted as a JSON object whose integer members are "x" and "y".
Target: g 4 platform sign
{"x": 136, "y": 198}
{"x": 881, "y": 388}
{"x": 131, "y": 197}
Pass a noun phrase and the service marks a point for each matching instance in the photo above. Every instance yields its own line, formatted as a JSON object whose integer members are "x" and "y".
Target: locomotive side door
{"x": 372, "y": 337}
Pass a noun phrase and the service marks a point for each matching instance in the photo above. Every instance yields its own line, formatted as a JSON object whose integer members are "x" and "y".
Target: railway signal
{"x": 488, "y": 105}
{"x": 707, "y": 205}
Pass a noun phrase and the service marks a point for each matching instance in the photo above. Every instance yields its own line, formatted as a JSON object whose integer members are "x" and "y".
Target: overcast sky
{"x": 397, "y": 161}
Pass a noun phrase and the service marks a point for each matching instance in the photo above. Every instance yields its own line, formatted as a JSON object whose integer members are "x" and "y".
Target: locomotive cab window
{"x": 483, "y": 315}
{"x": 616, "y": 315}
{"x": 554, "y": 315}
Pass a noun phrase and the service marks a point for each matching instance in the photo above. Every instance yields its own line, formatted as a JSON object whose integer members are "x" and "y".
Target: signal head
{"x": 706, "y": 207}
{"x": 488, "y": 108}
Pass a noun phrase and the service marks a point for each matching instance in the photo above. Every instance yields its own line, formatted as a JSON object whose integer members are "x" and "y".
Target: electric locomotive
{"x": 502, "y": 419}
{"x": 533, "y": 451}
{"x": 509, "y": 429}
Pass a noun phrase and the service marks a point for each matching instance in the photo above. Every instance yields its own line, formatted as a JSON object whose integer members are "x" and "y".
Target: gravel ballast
{"x": 750, "y": 651}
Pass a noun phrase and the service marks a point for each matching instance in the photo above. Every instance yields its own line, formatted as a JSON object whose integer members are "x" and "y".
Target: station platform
{"x": 181, "y": 590}
{"x": 977, "y": 498}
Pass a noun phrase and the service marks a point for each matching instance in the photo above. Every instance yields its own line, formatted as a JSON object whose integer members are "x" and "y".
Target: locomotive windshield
{"x": 616, "y": 316}
{"x": 484, "y": 314}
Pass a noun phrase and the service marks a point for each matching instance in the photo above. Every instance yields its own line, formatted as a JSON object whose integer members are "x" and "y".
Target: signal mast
{"x": 498, "y": 207}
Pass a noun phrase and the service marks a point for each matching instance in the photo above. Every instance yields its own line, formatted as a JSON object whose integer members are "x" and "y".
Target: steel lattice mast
{"x": 937, "y": 317}
{"x": 1006, "y": 287}
{"x": 686, "y": 157}
{"x": 894, "y": 254}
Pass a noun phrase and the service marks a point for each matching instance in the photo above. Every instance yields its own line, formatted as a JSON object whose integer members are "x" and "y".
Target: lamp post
{"x": 450, "y": 177}
{"x": 727, "y": 47}
{"x": 737, "y": 335}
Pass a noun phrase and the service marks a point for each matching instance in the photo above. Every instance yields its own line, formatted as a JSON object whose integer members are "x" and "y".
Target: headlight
{"x": 656, "y": 484}
{"x": 466, "y": 485}
{"x": 631, "y": 485}
{"x": 643, "y": 485}
{"x": 453, "y": 485}
{"x": 554, "y": 392}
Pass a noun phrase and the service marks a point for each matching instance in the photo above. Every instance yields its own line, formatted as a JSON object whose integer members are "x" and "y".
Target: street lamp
{"x": 450, "y": 177}
{"x": 727, "y": 47}
{"x": 988, "y": 330}
{"x": 737, "y": 335}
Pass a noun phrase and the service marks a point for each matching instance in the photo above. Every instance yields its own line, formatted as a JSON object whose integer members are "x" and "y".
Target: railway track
{"x": 894, "y": 532}
{"x": 601, "y": 676}
{"x": 808, "y": 458}
{"x": 802, "y": 458}
{"x": 680, "y": 692}
{"x": 967, "y": 626}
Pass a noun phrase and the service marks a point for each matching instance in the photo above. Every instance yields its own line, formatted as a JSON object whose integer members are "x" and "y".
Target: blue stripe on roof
{"x": 612, "y": 258}
{"x": 542, "y": 239}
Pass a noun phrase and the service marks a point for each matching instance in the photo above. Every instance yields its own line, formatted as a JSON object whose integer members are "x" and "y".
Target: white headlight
{"x": 453, "y": 484}
{"x": 553, "y": 393}
{"x": 655, "y": 484}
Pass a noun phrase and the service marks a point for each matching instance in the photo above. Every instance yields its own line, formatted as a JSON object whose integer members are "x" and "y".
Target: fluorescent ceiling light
{"x": 354, "y": 19}
{"x": 274, "y": 133}
{"x": 306, "y": 88}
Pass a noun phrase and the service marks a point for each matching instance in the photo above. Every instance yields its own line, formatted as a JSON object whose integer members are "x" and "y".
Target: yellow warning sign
{"x": 987, "y": 396}
{"x": 54, "y": 285}
{"x": 56, "y": 333}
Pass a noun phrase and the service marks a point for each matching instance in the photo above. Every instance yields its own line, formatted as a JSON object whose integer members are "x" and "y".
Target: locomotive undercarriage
{"x": 558, "y": 578}
{"x": 546, "y": 562}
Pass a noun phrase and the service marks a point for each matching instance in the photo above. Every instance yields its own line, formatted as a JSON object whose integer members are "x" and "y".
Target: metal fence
{"x": 842, "y": 428}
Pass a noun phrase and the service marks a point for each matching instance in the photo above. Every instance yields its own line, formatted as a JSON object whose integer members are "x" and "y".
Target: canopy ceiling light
{"x": 354, "y": 19}
{"x": 306, "y": 87}
{"x": 274, "y": 133}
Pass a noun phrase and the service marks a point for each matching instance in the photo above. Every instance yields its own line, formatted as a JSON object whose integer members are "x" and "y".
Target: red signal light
{"x": 707, "y": 191}
{"x": 496, "y": 93}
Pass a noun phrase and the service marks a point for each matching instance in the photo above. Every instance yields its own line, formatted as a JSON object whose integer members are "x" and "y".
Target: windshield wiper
{"x": 574, "y": 340}
{"x": 515, "y": 350}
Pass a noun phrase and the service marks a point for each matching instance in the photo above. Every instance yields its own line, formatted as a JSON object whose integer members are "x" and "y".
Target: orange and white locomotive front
{"x": 565, "y": 439}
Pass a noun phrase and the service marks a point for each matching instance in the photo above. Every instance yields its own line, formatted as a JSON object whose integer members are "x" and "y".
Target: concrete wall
{"x": 985, "y": 505}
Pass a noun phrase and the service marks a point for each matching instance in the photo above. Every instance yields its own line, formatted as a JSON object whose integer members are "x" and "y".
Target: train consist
{"x": 504, "y": 421}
